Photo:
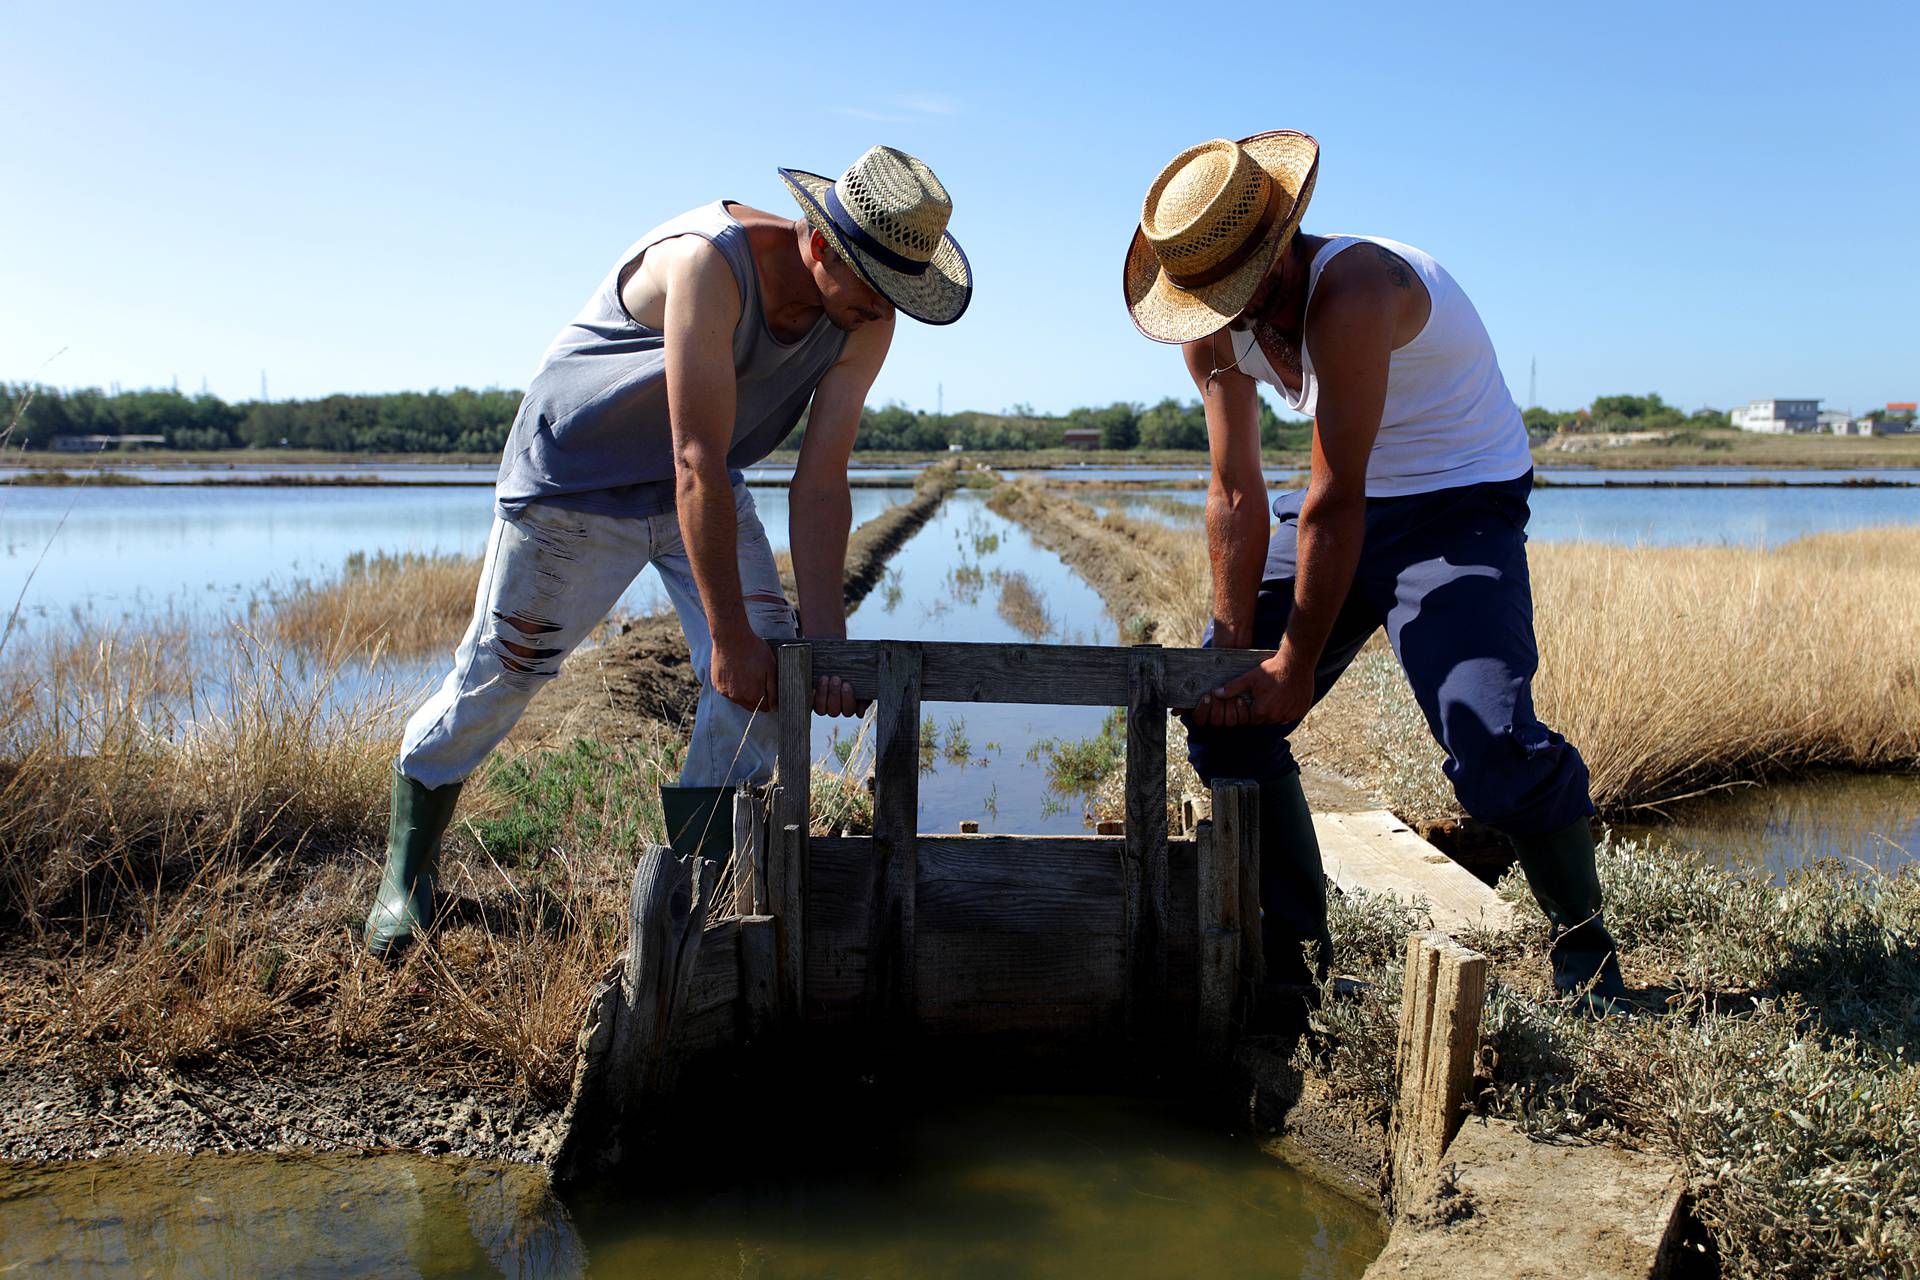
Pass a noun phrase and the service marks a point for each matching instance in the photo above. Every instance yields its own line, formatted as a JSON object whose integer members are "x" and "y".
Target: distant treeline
{"x": 1624, "y": 413}
{"x": 467, "y": 421}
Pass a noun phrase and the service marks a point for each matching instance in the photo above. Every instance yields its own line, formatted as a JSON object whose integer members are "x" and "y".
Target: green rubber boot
{"x": 1560, "y": 871}
{"x": 405, "y": 905}
{"x": 1293, "y": 910}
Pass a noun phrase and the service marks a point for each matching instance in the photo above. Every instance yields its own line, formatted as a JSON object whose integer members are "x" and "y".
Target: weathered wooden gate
{"x": 1134, "y": 940}
{"x": 1135, "y": 935}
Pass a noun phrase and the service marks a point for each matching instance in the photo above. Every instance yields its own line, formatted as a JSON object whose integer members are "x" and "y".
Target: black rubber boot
{"x": 1293, "y": 910}
{"x": 1560, "y": 871}
{"x": 405, "y": 904}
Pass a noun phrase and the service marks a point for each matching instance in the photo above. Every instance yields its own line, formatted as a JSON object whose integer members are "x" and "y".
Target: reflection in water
{"x": 1867, "y": 821}
{"x": 951, "y": 582}
{"x": 1006, "y": 1187}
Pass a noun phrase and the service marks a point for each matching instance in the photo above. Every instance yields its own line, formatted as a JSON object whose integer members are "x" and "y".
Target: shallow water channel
{"x": 970, "y": 574}
{"x": 1001, "y": 1187}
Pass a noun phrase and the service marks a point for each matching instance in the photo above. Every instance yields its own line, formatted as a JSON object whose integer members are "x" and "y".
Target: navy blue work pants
{"x": 1446, "y": 574}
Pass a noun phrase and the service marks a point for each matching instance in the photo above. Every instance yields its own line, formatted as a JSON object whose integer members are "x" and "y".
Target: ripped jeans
{"x": 549, "y": 579}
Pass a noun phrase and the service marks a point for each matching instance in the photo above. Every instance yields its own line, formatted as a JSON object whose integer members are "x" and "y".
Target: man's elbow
{"x": 1237, "y": 500}
{"x": 697, "y": 465}
{"x": 1338, "y": 502}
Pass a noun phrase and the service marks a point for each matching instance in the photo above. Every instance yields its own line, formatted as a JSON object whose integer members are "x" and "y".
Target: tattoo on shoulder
{"x": 1397, "y": 269}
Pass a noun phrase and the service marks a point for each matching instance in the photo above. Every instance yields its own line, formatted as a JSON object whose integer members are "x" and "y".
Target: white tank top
{"x": 1449, "y": 419}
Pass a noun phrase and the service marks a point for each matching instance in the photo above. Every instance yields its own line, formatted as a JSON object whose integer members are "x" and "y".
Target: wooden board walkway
{"x": 1374, "y": 851}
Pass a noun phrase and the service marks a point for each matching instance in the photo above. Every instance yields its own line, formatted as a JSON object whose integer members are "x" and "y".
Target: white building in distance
{"x": 1777, "y": 417}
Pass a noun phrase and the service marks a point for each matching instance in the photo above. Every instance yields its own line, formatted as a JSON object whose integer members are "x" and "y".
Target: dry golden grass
{"x": 184, "y": 867}
{"x": 1676, "y": 668}
{"x": 401, "y": 606}
{"x": 1673, "y": 669}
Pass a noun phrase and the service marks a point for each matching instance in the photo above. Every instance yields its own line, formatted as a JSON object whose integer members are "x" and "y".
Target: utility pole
{"x": 263, "y": 384}
{"x": 1533, "y": 381}
{"x": 940, "y": 399}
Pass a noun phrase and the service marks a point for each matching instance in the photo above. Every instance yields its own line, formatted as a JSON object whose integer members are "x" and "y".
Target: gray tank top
{"x": 592, "y": 433}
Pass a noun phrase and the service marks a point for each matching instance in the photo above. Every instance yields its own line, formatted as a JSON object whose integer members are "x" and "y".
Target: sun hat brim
{"x": 939, "y": 295}
{"x": 1163, "y": 310}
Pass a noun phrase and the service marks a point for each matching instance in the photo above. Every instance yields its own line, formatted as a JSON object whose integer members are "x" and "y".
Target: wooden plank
{"x": 758, "y": 967}
{"x": 1146, "y": 837}
{"x": 749, "y": 853}
{"x": 1236, "y": 820}
{"x": 1374, "y": 851}
{"x": 1218, "y": 939}
{"x": 1444, "y": 992}
{"x": 792, "y": 818}
{"x": 715, "y": 983}
{"x": 1056, "y": 674}
{"x": 1540, "y": 1211}
{"x": 968, "y": 966}
{"x": 896, "y": 822}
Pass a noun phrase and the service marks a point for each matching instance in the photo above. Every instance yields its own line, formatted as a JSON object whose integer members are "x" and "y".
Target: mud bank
{"x": 355, "y": 1107}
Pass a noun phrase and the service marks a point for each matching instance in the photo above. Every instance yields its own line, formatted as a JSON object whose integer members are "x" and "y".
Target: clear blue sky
{"x": 1715, "y": 201}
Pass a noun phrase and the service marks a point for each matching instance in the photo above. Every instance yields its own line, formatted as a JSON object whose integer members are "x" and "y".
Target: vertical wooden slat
{"x": 792, "y": 818}
{"x": 1446, "y": 988}
{"x": 1146, "y": 856}
{"x": 896, "y": 819}
{"x": 1236, "y": 826}
{"x": 758, "y": 965}
{"x": 1219, "y": 923}
{"x": 749, "y": 853}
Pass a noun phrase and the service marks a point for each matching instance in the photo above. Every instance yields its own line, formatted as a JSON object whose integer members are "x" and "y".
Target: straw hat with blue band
{"x": 1212, "y": 225}
{"x": 887, "y": 217}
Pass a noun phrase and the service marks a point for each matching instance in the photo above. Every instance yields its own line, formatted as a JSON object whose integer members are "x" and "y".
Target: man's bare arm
{"x": 819, "y": 507}
{"x": 1353, "y": 326}
{"x": 1236, "y": 492}
{"x": 820, "y": 510}
{"x": 1350, "y": 330}
{"x": 702, "y": 308}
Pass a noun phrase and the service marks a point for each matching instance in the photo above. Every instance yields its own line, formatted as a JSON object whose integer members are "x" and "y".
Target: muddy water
{"x": 971, "y": 575}
{"x": 1008, "y": 1187}
{"x": 1869, "y": 823}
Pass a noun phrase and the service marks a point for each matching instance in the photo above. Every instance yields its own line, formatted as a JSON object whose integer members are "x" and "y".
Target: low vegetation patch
{"x": 1776, "y": 1064}
{"x": 403, "y": 606}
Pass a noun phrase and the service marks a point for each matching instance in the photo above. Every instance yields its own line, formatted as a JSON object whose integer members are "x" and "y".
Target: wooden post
{"x": 1236, "y": 824}
{"x": 759, "y": 1000}
{"x": 792, "y": 820}
{"x": 896, "y": 821}
{"x": 1144, "y": 867}
{"x": 1446, "y": 988}
{"x": 1218, "y": 920}
{"x": 749, "y": 853}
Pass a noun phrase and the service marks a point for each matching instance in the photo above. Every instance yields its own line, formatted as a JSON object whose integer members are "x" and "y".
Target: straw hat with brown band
{"x": 887, "y": 216}
{"x": 1212, "y": 225}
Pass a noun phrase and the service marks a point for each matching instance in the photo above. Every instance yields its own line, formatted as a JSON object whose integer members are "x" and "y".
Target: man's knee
{"x": 1524, "y": 779}
{"x": 521, "y": 642}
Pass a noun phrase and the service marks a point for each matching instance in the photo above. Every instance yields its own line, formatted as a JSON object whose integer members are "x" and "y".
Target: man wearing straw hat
{"x": 695, "y": 358}
{"x": 1413, "y": 519}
